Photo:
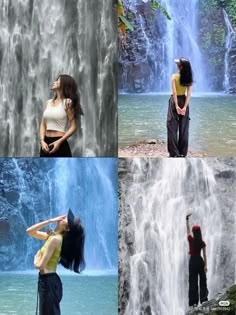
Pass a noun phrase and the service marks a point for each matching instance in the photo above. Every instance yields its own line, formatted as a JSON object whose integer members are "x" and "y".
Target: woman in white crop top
{"x": 59, "y": 118}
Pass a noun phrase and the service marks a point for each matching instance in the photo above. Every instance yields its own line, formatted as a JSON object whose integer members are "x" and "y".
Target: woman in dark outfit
{"x": 178, "y": 110}
{"x": 197, "y": 265}
{"x": 64, "y": 245}
{"x": 59, "y": 113}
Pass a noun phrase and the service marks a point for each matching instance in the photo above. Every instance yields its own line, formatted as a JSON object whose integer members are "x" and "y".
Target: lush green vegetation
{"x": 126, "y": 21}
{"x": 228, "y": 5}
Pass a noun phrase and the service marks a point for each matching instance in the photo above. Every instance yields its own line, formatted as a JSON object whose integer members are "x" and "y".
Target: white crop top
{"x": 55, "y": 116}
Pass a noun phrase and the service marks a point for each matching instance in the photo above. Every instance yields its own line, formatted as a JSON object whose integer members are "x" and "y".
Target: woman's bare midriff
{"x": 54, "y": 133}
{"x": 46, "y": 270}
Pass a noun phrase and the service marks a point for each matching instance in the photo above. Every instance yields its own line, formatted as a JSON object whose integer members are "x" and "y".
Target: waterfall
{"x": 230, "y": 38}
{"x": 39, "y": 41}
{"x": 180, "y": 37}
{"x": 165, "y": 192}
{"x": 37, "y": 189}
{"x": 148, "y": 62}
{"x": 93, "y": 196}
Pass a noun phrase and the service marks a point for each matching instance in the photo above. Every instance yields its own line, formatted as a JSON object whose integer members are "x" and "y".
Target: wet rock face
{"x": 224, "y": 173}
{"x": 141, "y": 58}
{"x": 212, "y": 41}
{"x": 126, "y": 241}
{"x": 16, "y": 214}
{"x": 137, "y": 60}
{"x": 232, "y": 65}
{"x": 228, "y": 294}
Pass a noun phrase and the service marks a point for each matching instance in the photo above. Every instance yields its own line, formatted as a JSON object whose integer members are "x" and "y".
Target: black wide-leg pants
{"x": 196, "y": 270}
{"x": 50, "y": 294}
{"x": 177, "y": 128}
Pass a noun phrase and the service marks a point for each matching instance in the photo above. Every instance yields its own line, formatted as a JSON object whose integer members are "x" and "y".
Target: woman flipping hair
{"x": 197, "y": 266}
{"x": 58, "y": 113}
{"x": 178, "y": 110}
{"x": 64, "y": 245}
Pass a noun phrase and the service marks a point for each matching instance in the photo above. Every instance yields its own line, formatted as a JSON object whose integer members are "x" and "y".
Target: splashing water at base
{"x": 165, "y": 191}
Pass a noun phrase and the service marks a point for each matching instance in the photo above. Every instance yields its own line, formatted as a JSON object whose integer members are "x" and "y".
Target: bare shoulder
{"x": 173, "y": 77}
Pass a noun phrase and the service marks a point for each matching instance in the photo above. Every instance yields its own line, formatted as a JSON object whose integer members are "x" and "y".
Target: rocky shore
{"x": 150, "y": 148}
{"x": 213, "y": 307}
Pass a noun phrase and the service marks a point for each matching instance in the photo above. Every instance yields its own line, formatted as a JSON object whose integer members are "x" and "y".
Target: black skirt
{"x": 63, "y": 151}
{"x": 50, "y": 294}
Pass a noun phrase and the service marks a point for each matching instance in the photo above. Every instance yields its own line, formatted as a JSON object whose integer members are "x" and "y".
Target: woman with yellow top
{"x": 178, "y": 111}
{"x": 64, "y": 245}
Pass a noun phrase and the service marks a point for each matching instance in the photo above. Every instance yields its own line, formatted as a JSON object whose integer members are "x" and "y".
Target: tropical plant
{"x": 125, "y": 24}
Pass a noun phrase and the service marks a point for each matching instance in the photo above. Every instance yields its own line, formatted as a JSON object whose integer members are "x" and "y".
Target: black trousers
{"x": 177, "y": 128}
{"x": 63, "y": 151}
{"x": 196, "y": 270}
{"x": 50, "y": 294}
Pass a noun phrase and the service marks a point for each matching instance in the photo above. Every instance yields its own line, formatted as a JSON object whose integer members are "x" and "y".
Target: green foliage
{"x": 211, "y": 5}
{"x": 231, "y": 10}
{"x": 206, "y": 41}
{"x": 126, "y": 22}
{"x": 219, "y": 35}
{"x": 216, "y": 61}
{"x": 155, "y": 5}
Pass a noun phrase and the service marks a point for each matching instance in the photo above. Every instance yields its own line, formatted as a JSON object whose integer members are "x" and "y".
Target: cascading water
{"x": 93, "y": 195}
{"x": 154, "y": 45}
{"x": 230, "y": 38}
{"x": 87, "y": 186}
{"x": 165, "y": 191}
{"x": 39, "y": 41}
{"x": 180, "y": 36}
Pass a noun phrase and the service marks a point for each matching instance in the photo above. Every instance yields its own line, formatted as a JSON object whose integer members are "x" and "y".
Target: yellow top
{"x": 180, "y": 89}
{"x": 52, "y": 263}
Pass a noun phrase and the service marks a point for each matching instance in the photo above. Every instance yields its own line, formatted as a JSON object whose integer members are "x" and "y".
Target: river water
{"x": 82, "y": 295}
{"x": 212, "y": 125}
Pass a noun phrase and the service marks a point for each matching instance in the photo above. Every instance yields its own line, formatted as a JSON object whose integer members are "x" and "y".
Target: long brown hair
{"x": 69, "y": 89}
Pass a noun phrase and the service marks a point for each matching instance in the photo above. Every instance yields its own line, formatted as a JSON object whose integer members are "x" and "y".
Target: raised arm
{"x": 205, "y": 259}
{"x": 187, "y": 224}
{"x": 35, "y": 232}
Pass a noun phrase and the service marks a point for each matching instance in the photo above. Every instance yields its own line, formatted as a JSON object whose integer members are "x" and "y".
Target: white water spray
{"x": 231, "y": 36}
{"x": 160, "y": 194}
{"x": 40, "y": 40}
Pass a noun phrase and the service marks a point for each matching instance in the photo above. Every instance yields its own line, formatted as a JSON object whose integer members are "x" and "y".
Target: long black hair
{"x": 197, "y": 240}
{"x": 69, "y": 89}
{"x": 72, "y": 250}
{"x": 186, "y": 73}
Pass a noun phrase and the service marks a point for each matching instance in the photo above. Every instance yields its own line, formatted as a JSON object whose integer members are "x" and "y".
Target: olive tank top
{"x": 52, "y": 263}
{"x": 180, "y": 89}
